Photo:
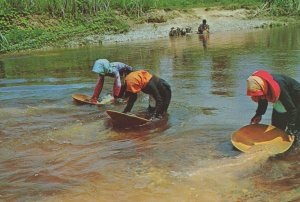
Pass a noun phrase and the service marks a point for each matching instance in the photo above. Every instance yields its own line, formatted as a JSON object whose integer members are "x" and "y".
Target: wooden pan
{"x": 85, "y": 99}
{"x": 272, "y": 138}
{"x": 126, "y": 120}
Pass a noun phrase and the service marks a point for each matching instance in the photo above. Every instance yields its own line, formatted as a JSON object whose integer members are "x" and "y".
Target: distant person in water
{"x": 283, "y": 92}
{"x": 203, "y": 27}
{"x": 150, "y": 84}
{"x": 112, "y": 69}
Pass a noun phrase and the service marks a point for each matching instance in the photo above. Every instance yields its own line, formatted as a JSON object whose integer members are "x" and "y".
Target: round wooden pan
{"x": 85, "y": 99}
{"x": 122, "y": 119}
{"x": 272, "y": 138}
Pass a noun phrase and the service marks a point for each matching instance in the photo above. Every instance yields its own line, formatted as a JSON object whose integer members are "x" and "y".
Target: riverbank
{"x": 44, "y": 33}
{"x": 219, "y": 20}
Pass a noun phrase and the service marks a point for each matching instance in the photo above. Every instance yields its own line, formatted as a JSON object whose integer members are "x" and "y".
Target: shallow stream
{"x": 52, "y": 149}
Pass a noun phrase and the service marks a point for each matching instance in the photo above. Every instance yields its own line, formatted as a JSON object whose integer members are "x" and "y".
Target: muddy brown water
{"x": 52, "y": 149}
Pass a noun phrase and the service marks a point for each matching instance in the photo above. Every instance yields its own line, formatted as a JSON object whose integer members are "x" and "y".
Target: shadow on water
{"x": 204, "y": 38}
{"x": 228, "y": 149}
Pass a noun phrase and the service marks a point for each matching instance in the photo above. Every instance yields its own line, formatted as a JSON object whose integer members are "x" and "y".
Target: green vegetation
{"x": 30, "y": 24}
{"x": 282, "y": 7}
{"x": 25, "y": 27}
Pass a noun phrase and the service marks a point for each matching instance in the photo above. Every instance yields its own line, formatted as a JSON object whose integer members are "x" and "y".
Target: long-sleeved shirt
{"x": 113, "y": 69}
{"x": 289, "y": 97}
{"x": 145, "y": 82}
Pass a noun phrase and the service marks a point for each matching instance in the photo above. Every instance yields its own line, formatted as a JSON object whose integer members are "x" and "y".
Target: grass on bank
{"x": 26, "y": 31}
{"x": 31, "y": 24}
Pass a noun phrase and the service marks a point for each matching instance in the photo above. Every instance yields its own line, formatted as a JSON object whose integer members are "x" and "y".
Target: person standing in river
{"x": 150, "y": 84}
{"x": 283, "y": 92}
{"x": 203, "y": 27}
{"x": 114, "y": 69}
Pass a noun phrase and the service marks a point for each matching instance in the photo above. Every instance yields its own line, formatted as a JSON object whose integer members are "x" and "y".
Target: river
{"x": 52, "y": 149}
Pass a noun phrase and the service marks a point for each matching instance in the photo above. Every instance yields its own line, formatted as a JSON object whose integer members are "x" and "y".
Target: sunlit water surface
{"x": 52, "y": 149}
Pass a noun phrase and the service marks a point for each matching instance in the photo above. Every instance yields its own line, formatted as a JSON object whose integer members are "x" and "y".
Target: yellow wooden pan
{"x": 126, "y": 120}
{"x": 272, "y": 138}
{"x": 85, "y": 99}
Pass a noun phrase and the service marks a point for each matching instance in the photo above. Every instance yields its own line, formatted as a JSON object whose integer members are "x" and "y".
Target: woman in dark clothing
{"x": 283, "y": 92}
{"x": 156, "y": 87}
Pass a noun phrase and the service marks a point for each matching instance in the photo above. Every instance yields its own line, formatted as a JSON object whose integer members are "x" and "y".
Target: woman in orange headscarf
{"x": 283, "y": 92}
{"x": 150, "y": 84}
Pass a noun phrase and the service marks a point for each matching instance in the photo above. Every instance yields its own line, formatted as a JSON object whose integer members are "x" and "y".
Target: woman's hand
{"x": 94, "y": 100}
{"x": 256, "y": 119}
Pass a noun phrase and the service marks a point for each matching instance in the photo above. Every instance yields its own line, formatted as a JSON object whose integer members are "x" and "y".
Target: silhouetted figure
{"x": 203, "y": 27}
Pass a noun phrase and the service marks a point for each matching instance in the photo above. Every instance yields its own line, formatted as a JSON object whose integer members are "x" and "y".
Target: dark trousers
{"x": 160, "y": 90}
{"x": 280, "y": 120}
{"x": 166, "y": 93}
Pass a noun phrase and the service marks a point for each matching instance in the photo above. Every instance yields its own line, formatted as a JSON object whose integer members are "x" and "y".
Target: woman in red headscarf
{"x": 283, "y": 92}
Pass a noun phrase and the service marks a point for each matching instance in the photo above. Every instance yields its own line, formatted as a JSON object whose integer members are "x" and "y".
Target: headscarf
{"x": 256, "y": 86}
{"x": 102, "y": 67}
{"x": 262, "y": 83}
{"x": 136, "y": 81}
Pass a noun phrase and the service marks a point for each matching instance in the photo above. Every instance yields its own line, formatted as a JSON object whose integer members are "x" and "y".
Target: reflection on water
{"x": 54, "y": 150}
{"x": 204, "y": 39}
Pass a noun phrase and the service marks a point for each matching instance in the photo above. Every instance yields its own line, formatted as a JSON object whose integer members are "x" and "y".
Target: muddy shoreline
{"x": 218, "y": 20}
